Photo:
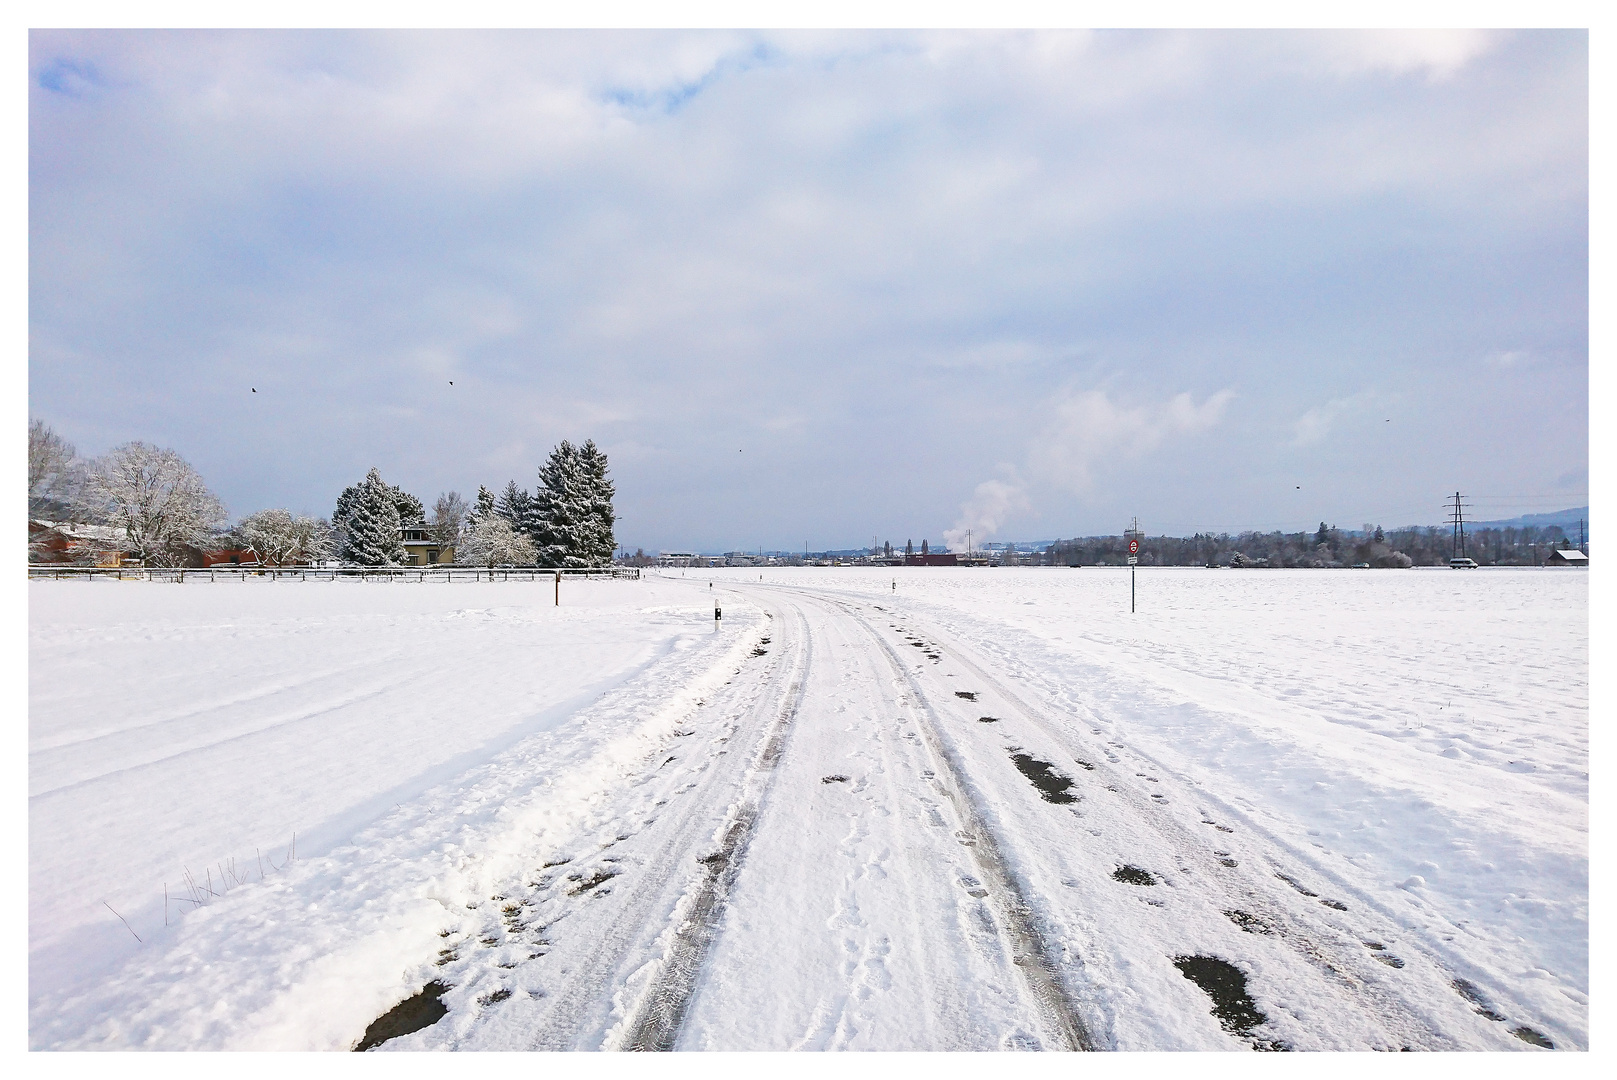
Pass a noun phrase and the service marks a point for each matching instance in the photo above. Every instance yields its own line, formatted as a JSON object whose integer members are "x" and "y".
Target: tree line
{"x": 1327, "y": 546}
{"x": 152, "y": 505}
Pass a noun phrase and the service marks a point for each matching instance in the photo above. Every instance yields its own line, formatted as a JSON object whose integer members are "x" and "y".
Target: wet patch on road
{"x": 1252, "y": 924}
{"x": 1294, "y": 883}
{"x": 1531, "y": 1037}
{"x": 1233, "y": 1007}
{"x": 1051, "y": 784}
{"x": 1473, "y": 993}
{"x": 412, "y": 1014}
{"x": 582, "y": 884}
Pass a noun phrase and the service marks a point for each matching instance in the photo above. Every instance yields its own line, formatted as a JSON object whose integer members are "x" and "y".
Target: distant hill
{"x": 1567, "y": 519}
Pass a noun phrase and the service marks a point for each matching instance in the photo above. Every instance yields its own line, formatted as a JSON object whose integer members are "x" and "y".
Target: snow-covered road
{"x": 863, "y": 817}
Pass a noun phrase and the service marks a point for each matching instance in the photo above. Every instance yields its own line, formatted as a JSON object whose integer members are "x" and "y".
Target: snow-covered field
{"x": 820, "y": 825}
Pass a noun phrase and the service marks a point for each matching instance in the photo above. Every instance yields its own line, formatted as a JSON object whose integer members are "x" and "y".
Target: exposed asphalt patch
{"x": 1232, "y": 1005}
{"x": 412, "y": 1014}
{"x": 1535, "y": 1038}
{"x": 969, "y": 695}
{"x": 1051, "y": 784}
{"x": 834, "y": 778}
{"x": 1133, "y": 875}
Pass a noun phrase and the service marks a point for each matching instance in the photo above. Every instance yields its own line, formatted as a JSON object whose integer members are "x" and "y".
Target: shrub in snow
{"x": 492, "y": 542}
{"x": 279, "y": 537}
{"x": 370, "y": 527}
{"x": 154, "y": 497}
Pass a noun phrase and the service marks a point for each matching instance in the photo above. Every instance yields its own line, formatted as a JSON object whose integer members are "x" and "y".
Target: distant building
{"x": 933, "y": 558}
{"x": 70, "y": 542}
{"x": 676, "y": 558}
{"x": 1569, "y": 557}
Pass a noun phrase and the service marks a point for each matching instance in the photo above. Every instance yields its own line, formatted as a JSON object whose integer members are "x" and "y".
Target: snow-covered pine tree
{"x": 411, "y": 511}
{"x": 515, "y": 506}
{"x": 600, "y": 541}
{"x": 371, "y": 529}
{"x": 561, "y": 509}
{"x": 483, "y": 509}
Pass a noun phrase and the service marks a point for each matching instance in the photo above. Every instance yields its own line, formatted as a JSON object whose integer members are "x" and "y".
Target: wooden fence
{"x": 321, "y": 573}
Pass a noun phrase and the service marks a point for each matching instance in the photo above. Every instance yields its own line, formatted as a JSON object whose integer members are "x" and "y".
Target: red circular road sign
{"x": 1134, "y": 547}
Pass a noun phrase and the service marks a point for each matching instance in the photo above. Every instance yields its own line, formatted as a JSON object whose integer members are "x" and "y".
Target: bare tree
{"x": 449, "y": 519}
{"x": 280, "y": 537}
{"x": 154, "y": 496}
{"x": 51, "y": 470}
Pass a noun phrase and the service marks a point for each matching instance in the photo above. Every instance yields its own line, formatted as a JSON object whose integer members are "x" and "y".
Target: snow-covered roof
{"x": 1572, "y": 555}
{"x": 80, "y": 531}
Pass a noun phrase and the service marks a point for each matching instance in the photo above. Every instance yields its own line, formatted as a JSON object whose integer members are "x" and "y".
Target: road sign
{"x": 1134, "y": 547}
{"x": 1133, "y": 559}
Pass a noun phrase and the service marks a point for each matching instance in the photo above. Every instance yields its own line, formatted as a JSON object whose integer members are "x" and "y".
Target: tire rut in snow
{"x": 657, "y": 1020}
{"x": 1031, "y": 952}
{"x": 1331, "y": 958}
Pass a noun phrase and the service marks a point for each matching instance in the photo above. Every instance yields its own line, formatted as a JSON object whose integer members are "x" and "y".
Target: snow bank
{"x": 198, "y": 727}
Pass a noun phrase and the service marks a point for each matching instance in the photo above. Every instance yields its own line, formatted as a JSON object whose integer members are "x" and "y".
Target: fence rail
{"x": 322, "y": 573}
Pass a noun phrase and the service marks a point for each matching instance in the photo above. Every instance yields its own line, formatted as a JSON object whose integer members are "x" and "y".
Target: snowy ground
{"x": 986, "y": 810}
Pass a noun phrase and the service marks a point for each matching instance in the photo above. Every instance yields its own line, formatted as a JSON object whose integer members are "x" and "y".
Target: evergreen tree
{"x": 561, "y": 509}
{"x": 483, "y": 509}
{"x": 599, "y": 540}
{"x": 411, "y": 511}
{"x": 408, "y": 508}
{"x": 516, "y": 507}
{"x": 371, "y": 528}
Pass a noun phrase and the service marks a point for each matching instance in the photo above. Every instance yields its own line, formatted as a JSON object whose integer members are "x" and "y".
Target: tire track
{"x": 1340, "y": 962}
{"x": 1031, "y": 951}
{"x": 657, "y": 1019}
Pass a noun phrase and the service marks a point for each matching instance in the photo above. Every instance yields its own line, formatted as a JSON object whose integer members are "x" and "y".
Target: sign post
{"x": 1134, "y": 558}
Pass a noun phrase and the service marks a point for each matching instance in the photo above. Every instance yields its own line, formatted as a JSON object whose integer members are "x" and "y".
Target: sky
{"x": 814, "y": 288}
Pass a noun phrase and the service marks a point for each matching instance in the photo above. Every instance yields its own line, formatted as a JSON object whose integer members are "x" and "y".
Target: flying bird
{"x": 451, "y": 382}
{"x": 254, "y": 389}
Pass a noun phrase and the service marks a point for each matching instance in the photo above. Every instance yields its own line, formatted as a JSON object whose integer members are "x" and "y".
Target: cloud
{"x": 1509, "y": 358}
{"x": 1315, "y": 425}
{"x": 874, "y": 253}
{"x": 1090, "y": 427}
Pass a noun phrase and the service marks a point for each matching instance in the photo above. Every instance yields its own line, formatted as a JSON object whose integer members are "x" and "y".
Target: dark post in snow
{"x": 558, "y": 588}
{"x": 717, "y": 615}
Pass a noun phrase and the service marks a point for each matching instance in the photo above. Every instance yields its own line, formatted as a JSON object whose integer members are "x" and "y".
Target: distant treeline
{"x": 1326, "y": 547}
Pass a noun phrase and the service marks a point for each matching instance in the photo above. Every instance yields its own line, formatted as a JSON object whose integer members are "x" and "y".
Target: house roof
{"x": 1571, "y": 555}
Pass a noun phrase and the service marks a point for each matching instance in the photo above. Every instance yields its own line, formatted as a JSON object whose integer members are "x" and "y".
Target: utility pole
{"x": 1583, "y": 544}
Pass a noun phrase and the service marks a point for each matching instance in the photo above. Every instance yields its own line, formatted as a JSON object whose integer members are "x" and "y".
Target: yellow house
{"x": 420, "y": 549}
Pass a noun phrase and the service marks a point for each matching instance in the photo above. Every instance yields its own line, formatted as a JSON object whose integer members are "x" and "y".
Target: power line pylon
{"x": 1457, "y": 511}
